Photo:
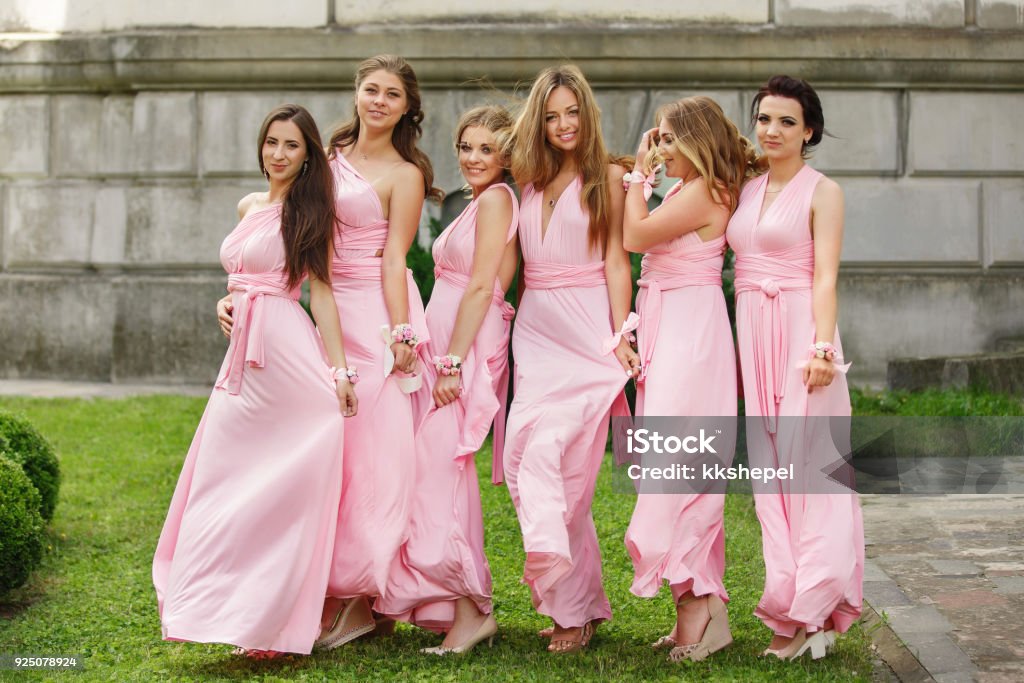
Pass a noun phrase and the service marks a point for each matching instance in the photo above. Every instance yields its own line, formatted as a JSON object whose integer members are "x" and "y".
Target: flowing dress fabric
{"x": 444, "y": 559}
{"x": 565, "y": 390}
{"x": 813, "y": 542}
{"x": 379, "y": 446}
{"x": 689, "y": 369}
{"x": 245, "y": 551}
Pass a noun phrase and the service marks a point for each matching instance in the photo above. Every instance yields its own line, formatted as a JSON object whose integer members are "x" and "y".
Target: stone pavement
{"x": 943, "y": 582}
{"x": 947, "y": 574}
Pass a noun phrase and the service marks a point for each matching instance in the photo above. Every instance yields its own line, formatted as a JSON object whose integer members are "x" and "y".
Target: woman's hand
{"x": 447, "y": 388}
{"x": 628, "y": 358}
{"x": 224, "y": 310}
{"x": 643, "y": 149}
{"x": 347, "y": 400}
{"x": 405, "y": 357}
{"x": 818, "y": 372}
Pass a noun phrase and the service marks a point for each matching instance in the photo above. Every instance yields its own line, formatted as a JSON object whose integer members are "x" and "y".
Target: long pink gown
{"x": 813, "y": 542}
{"x": 689, "y": 369}
{"x": 380, "y": 457}
{"x": 245, "y": 551}
{"x": 443, "y": 558}
{"x": 565, "y": 389}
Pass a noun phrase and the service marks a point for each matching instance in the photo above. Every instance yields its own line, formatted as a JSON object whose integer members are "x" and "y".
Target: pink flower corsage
{"x": 449, "y": 365}
{"x": 825, "y": 350}
{"x": 349, "y": 374}
{"x": 404, "y": 334}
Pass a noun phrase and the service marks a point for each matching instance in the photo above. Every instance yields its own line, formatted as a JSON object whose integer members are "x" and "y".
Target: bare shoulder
{"x": 495, "y": 198}
{"x": 247, "y": 202}
{"x": 616, "y": 171}
{"x": 407, "y": 172}
{"x": 827, "y": 191}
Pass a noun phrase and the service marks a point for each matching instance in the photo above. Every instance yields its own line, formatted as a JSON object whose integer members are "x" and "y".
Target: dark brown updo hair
{"x": 801, "y": 91}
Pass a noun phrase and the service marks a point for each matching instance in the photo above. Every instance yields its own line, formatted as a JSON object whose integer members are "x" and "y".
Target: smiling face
{"x": 562, "y": 119}
{"x": 283, "y": 151}
{"x": 381, "y": 100}
{"x": 479, "y": 158}
{"x": 780, "y": 127}
{"x": 674, "y": 163}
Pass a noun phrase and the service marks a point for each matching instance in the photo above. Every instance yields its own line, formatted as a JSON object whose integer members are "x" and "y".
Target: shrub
{"x": 21, "y": 526}
{"x": 27, "y": 447}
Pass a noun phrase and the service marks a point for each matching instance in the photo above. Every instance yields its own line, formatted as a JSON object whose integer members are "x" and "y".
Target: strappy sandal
{"x": 716, "y": 634}
{"x": 575, "y": 645}
{"x": 354, "y": 620}
{"x": 259, "y": 655}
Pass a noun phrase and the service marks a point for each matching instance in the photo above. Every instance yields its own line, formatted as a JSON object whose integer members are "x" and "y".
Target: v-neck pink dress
{"x": 444, "y": 559}
{"x": 813, "y": 542}
{"x": 380, "y": 457}
{"x": 689, "y": 369}
{"x": 245, "y": 551}
{"x": 565, "y": 388}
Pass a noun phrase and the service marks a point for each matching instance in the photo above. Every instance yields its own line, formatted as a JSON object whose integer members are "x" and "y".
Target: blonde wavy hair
{"x": 495, "y": 119}
{"x": 535, "y": 162}
{"x": 711, "y": 142}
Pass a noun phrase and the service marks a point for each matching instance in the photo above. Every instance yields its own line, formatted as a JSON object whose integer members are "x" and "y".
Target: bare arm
{"x": 827, "y": 232}
{"x": 325, "y": 313}
{"x": 494, "y": 213}
{"x": 692, "y": 208}
{"x": 406, "y": 205}
{"x": 618, "y": 273}
{"x": 225, "y": 308}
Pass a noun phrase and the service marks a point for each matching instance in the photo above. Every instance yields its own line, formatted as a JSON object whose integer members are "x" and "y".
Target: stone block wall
{"x": 129, "y": 136}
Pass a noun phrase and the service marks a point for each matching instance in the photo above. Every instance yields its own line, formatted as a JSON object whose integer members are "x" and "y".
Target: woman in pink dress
{"x": 570, "y": 363}
{"x": 381, "y": 179}
{"x": 787, "y": 235}
{"x": 443, "y": 582}
{"x": 688, "y": 365}
{"x": 245, "y": 552}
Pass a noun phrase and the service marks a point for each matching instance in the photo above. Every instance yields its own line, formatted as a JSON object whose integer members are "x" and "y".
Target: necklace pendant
{"x": 551, "y": 202}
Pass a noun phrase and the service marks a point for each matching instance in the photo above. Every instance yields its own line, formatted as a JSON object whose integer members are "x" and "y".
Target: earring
{"x": 305, "y": 165}
{"x": 266, "y": 174}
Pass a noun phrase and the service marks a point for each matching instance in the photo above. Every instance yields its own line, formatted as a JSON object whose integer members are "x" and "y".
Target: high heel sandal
{"x": 716, "y": 634}
{"x": 354, "y": 620}
{"x": 486, "y": 631}
{"x": 586, "y": 633}
{"x": 819, "y": 643}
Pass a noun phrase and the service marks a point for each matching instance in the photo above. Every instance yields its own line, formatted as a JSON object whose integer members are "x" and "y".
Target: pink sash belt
{"x": 770, "y": 274}
{"x": 664, "y": 272}
{"x": 246, "y": 346}
{"x": 461, "y": 280}
{"x": 557, "y": 275}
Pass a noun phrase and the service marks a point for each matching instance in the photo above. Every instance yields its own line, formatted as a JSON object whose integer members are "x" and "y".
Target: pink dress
{"x": 444, "y": 559}
{"x": 813, "y": 542}
{"x": 689, "y": 369}
{"x": 245, "y": 551}
{"x": 380, "y": 457}
{"x": 565, "y": 388}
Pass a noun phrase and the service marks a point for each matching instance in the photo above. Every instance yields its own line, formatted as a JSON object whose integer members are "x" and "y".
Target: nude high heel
{"x": 487, "y": 630}
{"x": 716, "y": 634}
{"x": 354, "y": 620}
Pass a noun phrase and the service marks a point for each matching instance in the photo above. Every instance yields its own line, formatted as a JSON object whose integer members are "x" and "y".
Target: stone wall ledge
{"x": 634, "y": 55}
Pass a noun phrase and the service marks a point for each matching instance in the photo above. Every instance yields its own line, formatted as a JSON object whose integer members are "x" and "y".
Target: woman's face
{"x": 381, "y": 100}
{"x": 479, "y": 158}
{"x": 562, "y": 119}
{"x": 780, "y": 128}
{"x": 675, "y": 163}
{"x": 284, "y": 151}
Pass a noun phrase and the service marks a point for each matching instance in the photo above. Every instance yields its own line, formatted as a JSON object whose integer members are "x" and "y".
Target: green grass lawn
{"x": 93, "y": 595}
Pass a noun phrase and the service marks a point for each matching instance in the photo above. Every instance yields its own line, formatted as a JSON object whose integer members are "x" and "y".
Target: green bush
{"x": 21, "y": 526}
{"x": 27, "y": 447}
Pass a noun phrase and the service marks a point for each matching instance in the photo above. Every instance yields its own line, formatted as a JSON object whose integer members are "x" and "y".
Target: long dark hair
{"x": 407, "y": 131}
{"x": 307, "y": 214}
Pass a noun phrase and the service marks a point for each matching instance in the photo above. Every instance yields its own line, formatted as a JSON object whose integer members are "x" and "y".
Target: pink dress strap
{"x": 246, "y": 346}
{"x": 770, "y": 273}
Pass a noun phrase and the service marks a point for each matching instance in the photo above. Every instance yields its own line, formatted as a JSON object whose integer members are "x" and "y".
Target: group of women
{"x": 305, "y": 517}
